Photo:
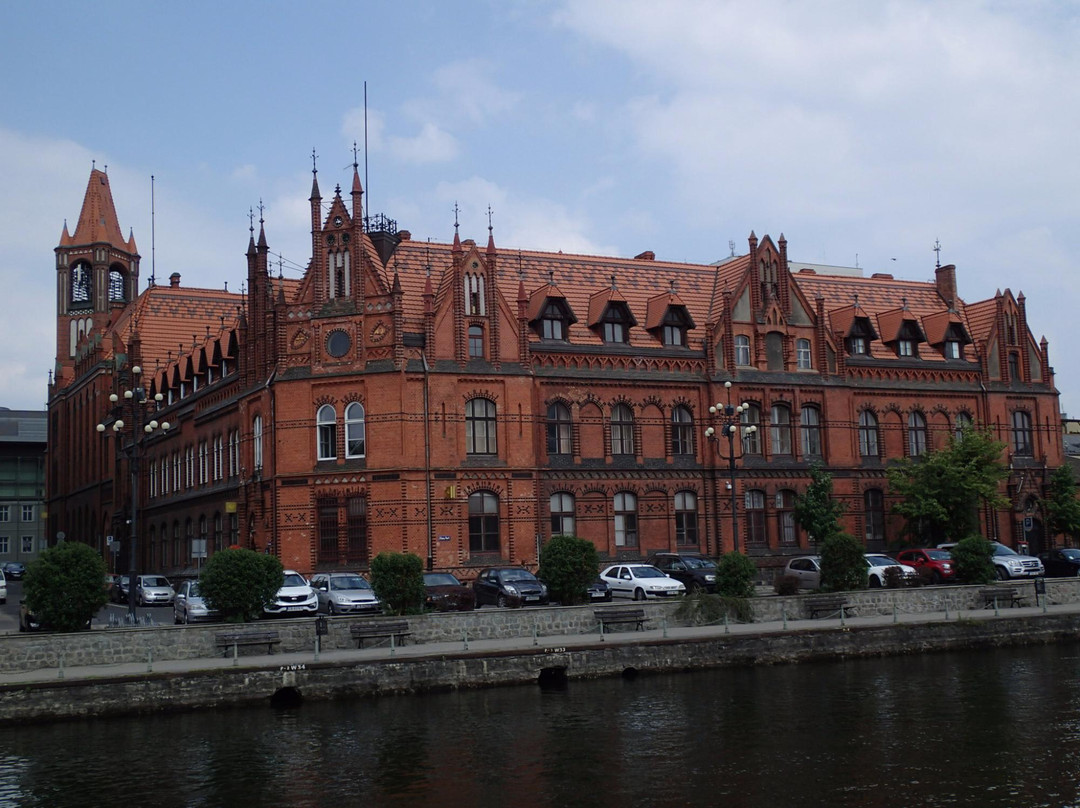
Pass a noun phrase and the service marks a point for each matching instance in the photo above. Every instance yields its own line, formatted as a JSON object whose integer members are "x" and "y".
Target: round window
{"x": 338, "y": 343}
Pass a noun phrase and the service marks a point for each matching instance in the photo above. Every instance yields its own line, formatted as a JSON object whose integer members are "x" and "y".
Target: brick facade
{"x": 443, "y": 398}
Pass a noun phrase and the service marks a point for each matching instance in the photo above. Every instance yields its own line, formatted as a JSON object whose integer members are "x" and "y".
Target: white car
{"x": 295, "y": 597}
{"x": 641, "y": 581}
{"x": 345, "y": 593}
{"x": 3, "y": 587}
{"x": 877, "y": 564}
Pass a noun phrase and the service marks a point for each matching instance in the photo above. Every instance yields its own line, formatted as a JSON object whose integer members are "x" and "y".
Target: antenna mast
{"x": 367, "y": 185}
{"x": 153, "y": 245}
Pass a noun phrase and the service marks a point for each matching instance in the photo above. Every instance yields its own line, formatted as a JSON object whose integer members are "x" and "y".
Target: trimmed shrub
{"x": 786, "y": 585}
{"x": 65, "y": 586}
{"x": 239, "y": 583}
{"x": 398, "y": 581}
{"x": 735, "y": 576}
{"x": 568, "y": 565}
{"x": 703, "y": 609}
{"x": 843, "y": 564}
{"x": 973, "y": 560}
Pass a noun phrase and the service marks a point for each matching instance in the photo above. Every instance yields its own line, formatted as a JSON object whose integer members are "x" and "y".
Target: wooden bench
{"x": 827, "y": 605}
{"x": 227, "y": 640}
{"x": 613, "y": 615}
{"x": 370, "y": 630}
{"x": 993, "y": 596}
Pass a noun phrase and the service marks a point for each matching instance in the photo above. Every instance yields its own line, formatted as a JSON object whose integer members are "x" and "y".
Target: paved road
{"x": 9, "y": 612}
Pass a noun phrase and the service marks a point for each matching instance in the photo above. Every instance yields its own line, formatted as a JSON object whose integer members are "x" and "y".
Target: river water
{"x": 988, "y": 728}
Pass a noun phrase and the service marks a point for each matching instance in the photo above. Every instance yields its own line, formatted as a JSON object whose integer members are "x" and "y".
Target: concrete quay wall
{"x": 28, "y": 652}
{"x": 259, "y": 685}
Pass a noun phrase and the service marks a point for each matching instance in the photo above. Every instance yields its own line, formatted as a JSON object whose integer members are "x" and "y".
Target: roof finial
{"x": 251, "y": 221}
{"x": 613, "y": 286}
{"x": 260, "y": 211}
{"x": 937, "y": 249}
{"x": 856, "y": 300}
{"x": 314, "y": 169}
{"x": 93, "y": 165}
{"x": 489, "y": 218}
{"x": 354, "y": 163}
{"x": 903, "y": 302}
{"x": 456, "y": 211}
{"x": 672, "y": 286}
{"x": 106, "y": 168}
{"x": 551, "y": 277}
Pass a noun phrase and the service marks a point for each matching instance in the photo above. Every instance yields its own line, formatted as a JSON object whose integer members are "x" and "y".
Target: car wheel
{"x": 639, "y": 594}
{"x": 936, "y": 578}
{"x": 501, "y": 603}
{"x": 608, "y": 596}
{"x": 875, "y": 582}
{"x": 1002, "y": 574}
{"x": 176, "y": 619}
{"x": 331, "y": 608}
{"x": 695, "y": 587}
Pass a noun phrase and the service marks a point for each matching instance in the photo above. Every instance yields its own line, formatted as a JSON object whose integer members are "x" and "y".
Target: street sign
{"x": 1029, "y": 523}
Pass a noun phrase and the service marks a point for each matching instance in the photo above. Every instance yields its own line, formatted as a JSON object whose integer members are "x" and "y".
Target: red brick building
{"x": 464, "y": 402}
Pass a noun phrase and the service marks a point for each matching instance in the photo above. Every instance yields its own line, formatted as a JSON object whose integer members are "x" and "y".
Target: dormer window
{"x": 673, "y": 331}
{"x": 908, "y": 339}
{"x": 953, "y": 349}
{"x": 905, "y": 347}
{"x": 857, "y": 346}
{"x": 553, "y": 321}
{"x": 615, "y": 325}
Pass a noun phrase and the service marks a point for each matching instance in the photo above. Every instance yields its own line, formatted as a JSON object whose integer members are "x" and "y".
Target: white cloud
{"x": 467, "y": 88}
{"x": 430, "y": 145}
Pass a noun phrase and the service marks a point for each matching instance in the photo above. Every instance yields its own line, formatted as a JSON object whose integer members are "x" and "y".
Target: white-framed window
{"x": 868, "y": 434}
{"x": 626, "y": 527}
{"x": 326, "y": 419}
{"x": 686, "y": 521}
{"x": 176, "y": 471}
{"x": 562, "y": 514}
{"x": 480, "y": 435}
{"x": 682, "y": 431}
{"x": 28, "y": 513}
{"x": 257, "y": 442}
{"x": 742, "y": 350}
{"x": 751, "y": 416}
{"x": 1021, "y": 433}
{"x": 558, "y": 429}
{"x": 203, "y": 465}
{"x": 810, "y": 429}
{"x": 803, "y": 356}
{"x": 355, "y": 430}
{"x": 953, "y": 349}
{"x": 780, "y": 429}
{"x": 622, "y": 430}
{"x": 4, "y": 545}
{"x": 917, "y": 434}
{"x": 5, "y": 513}
{"x": 189, "y": 467}
{"x": 474, "y": 295}
{"x": 153, "y": 479}
{"x": 234, "y": 452}
{"x": 28, "y": 544}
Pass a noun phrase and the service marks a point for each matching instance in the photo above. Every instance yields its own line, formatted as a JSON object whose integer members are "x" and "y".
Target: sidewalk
{"x": 481, "y": 648}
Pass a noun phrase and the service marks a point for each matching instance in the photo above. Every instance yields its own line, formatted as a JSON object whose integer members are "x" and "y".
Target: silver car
{"x": 807, "y": 569}
{"x": 189, "y": 607}
{"x": 345, "y": 593}
{"x": 153, "y": 590}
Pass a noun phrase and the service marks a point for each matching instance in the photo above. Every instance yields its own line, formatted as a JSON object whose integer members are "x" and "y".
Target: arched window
{"x": 803, "y": 356}
{"x": 626, "y": 528}
{"x": 117, "y": 285}
{"x": 751, "y": 416}
{"x": 785, "y": 517}
{"x": 742, "y": 350}
{"x": 963, "y": 424}
{"x": 480, "y": 427}
{"x": 810, "y": 430}
{"x": 686, "y": 522}
{"x": 355, "y": 430}
{"x": 916, "y": 434}
{"x": 562, "y": 514}
{"x": 868, "y": 434}
{"x": 218, "y": 537}
{"x": 774, "y": 350}
{"x": 755, "y": 517}
{"x": 874, "y": 518}
{"x": 474, "y": 295}
{"x": 483, "y": 522}
{"x": 622, "y": 430}
{"x": 327, "y": 428}
{"x": 1021, "y": 433}
{"x": 780, "y": 429}
{"x": 256, "y": 443}
{"x": 476, "y": 342}
{"x": 558, "y": 429}
{"x": 80, "y": 283}
{"x": 682, "y": 431}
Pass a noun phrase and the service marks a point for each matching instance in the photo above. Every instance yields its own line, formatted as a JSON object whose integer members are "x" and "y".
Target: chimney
{"x": 174, "y": 280}
{"x": 946, "y": 284}
{"x": 648, "y": 255}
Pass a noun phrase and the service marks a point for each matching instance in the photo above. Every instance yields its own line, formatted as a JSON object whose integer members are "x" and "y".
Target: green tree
{"x": 736, "y": 575}
{"x": 1061, "y": 506}
{"x": 843, "y": 563}
{"x": 568, "y": 565}
{"x": 941, "y": 491}
{"x": 816, "y": 511}
{"x": 65, "y": 586}
{"x": 398, "y": 580}
{"x": 239, "y": 583}
{"x": 973, "y": 558}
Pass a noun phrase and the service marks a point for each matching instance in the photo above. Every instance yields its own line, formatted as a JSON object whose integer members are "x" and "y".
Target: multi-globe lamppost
{"x": 729, "y": 419}
{"x": 135, "y": 400}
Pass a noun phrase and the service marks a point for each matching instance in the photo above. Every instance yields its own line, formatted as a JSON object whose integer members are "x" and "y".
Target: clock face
{"x": 337, "y": 221}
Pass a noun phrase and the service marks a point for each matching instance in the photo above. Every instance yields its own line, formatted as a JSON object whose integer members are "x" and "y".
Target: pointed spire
{"x": 395, "y": 287}
{"x": 97, "y": 220}
{"x": 251, "y": 231}
{"x": 491, "y": 236}
{"x": 65, "y": 237}
{"x": 457, "y": 238}
{"x": 314, "y": 178}
{"x": 262, "y": 230}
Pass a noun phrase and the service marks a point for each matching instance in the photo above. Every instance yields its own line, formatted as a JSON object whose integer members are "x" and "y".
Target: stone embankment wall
{"x": 25, "y": 652}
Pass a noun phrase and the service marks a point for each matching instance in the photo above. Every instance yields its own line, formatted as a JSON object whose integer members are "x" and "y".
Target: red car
{"x": 938, "y": 564}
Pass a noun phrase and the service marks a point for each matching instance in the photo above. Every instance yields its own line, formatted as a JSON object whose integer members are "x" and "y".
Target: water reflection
{"x": 995, "y": 728}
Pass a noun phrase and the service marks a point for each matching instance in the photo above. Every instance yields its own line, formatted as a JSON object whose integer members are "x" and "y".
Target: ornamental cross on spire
{"x": 937, "y": 250}
{"x": 314, "y": 169}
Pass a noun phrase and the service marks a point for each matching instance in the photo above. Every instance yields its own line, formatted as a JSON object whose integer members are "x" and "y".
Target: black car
{"x": 696, "y": 571}
{"x": 1063, "y": 563}
{"x": 598, "y": 590}
{"x": 509, "y": 586}
{"x": 445, "y": 593}
{"x": 14, "y": 570}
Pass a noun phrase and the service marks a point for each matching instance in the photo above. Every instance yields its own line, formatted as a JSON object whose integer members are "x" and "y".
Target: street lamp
{"x": 135, "y": 400}
{"x": 729, "y": 420}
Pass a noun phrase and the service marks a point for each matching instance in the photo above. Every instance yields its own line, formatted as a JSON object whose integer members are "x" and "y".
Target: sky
{"x": 865, "y": 132}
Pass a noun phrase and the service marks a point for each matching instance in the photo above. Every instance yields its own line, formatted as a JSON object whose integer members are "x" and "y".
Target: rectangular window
{"x": 328, "y": 530}
{"x": 356, "y": 530}
{"x": 5, "y": 513}
{"x": 28, "y": 513}
{"x": 28, "y": 544}
{"x": 4, "y": 546}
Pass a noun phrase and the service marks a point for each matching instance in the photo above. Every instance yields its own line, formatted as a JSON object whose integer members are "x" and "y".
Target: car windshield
{"x": 153, "y": 580}
{"x": 881, "y": 561}
{"x": 699, "y": 563}
{"x": 440, "y": 579}
{"x": 1072, "y": 555}
{"x": 1002, "y": 550}
{"x": 938, "y": 555}
{"x": 294, "y": 579}
{"x": 193, "y": 591}
{"x": 516, "y": 575}
{"x": 343, "y": 582}
{"x": 647, "y": 572}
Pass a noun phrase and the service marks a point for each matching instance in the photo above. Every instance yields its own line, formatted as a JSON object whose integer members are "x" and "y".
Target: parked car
{"x": 696, "y": 571}
{"x": 189, "y": 607}
{"x": 28, "y": 621}
{"x": 598, "y": 590}
{"x": 807, "y": 569}
{"x": 509, "y": 586}
{"x": 1062, "y": 563}
{"x": 15, "y": 570}
{"x": 345, "y": 593}
{"x": 153, "y": 590}
{"x": 294, "y": 597}
{"x": 878, "y": 564}
{"x": 445, "y": 593}
{"x": 641, "y": 581}
{"x": 937, "y": 565}
{"x": 3, "y": 587}
{"x": 1008, "y": 563}
{"x": 120, "y": 589}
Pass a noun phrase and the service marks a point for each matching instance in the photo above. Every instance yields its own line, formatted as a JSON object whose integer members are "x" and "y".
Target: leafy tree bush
{"x": 568, "y": 565}
{"x": 972, "y": 557}
{"x": 703, "y": 609}
{"x": 816, "y": 511}
{"x": 65, "y": 586}
{"x": 239, "y": 583}
{"x": 1061, "y": 505}
{"x": 786, "y": 585}
{"x": 843, "y": 564}
{"x": 398, "y": 581}
{"x": 736, "y": 575}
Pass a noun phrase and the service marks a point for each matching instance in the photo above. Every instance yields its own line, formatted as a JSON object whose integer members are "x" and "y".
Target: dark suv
{"x": 509, "y": 586}
{"x": 696, "y": 571}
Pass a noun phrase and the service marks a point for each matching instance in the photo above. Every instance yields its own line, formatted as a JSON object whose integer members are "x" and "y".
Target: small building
{"x": 22, "y": 485}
